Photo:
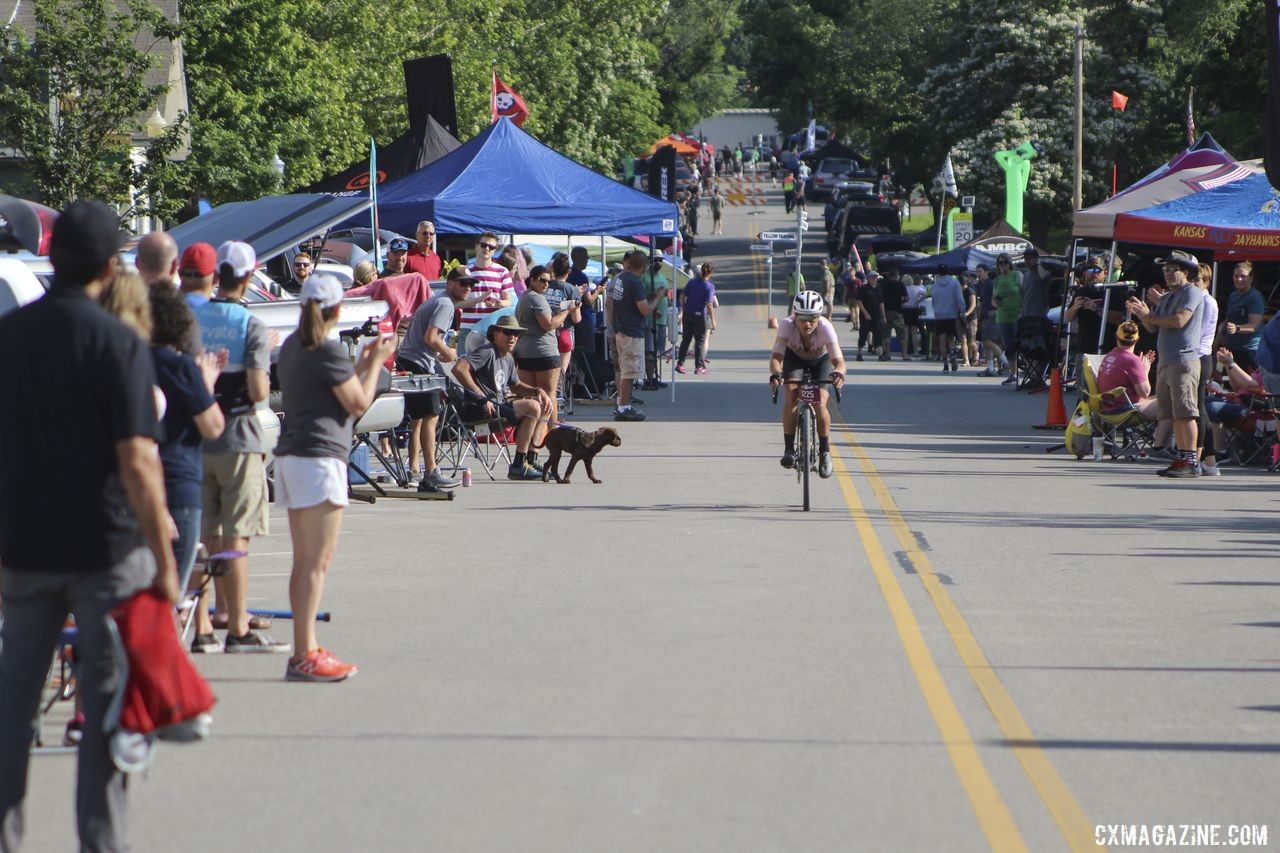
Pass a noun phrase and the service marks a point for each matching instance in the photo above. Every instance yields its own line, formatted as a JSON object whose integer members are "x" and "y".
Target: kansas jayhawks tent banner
{"x": 1238, "y": 220}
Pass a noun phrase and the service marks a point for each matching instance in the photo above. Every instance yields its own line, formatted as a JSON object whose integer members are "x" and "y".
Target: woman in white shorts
{"x": 323, "y": 394}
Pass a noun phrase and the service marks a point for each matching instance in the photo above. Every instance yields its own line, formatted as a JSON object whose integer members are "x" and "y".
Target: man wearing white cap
{"x": 235, "y": 480}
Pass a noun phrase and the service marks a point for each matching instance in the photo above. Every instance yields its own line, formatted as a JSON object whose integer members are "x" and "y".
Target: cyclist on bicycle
{"x": 806, "y": 348}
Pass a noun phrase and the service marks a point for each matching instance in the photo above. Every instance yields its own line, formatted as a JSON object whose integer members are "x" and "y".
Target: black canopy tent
{"x": 426, "y": 142}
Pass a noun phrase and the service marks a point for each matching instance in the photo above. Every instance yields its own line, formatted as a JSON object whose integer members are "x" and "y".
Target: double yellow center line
{"x": 992, "y": 812}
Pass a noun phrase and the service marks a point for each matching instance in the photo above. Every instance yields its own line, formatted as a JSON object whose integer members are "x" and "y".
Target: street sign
{"x": 791, "y": 253}
{"x": 962, "y": 228}
{"x": 778, "y": 236}
{"x": 761, "y": 247}
{"x": 803, "y": 219}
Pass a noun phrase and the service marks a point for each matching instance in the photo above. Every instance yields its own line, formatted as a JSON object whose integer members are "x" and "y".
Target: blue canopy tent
{"x": 506, "y": 181}
{"x": 960, "y": 258}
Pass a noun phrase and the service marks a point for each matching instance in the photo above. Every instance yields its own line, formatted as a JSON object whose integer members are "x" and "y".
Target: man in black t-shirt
{"x": 871, "y": 314}
{"x": 79, "y": 550}
{"x": 895, "y": 294}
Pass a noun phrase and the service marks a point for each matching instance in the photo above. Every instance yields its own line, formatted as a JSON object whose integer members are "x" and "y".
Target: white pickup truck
{"x": 18, "y": 285}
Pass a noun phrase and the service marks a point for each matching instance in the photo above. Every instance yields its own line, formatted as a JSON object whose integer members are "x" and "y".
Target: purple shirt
{"x": 697, "y": 294}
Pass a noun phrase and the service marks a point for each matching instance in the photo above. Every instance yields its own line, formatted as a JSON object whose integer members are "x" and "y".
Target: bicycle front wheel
{"x": 808, "y": 450}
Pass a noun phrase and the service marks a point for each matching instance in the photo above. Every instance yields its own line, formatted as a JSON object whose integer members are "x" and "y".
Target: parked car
{"x": 18, "y": 285}
{"x": 829, "y": 171}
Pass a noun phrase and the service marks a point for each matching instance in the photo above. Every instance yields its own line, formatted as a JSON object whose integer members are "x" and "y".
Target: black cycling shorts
{"x": 795, "y": 367}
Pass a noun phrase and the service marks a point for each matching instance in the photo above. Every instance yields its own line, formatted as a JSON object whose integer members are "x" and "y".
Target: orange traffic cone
{"x": 1056, "y": 417}
{"x": 773, "y": 322}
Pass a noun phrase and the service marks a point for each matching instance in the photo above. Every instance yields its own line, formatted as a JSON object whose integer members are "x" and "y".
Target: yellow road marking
{"x": 1062, "y": 804}
{"x": 989, "y": 807}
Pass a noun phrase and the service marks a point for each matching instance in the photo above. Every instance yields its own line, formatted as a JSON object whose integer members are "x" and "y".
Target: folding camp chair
{"x": 1034, "y": 359}
{"x": 1254, "y": 440}
{"x": 1123, "y": 429}
{"x": 457, "y": 438}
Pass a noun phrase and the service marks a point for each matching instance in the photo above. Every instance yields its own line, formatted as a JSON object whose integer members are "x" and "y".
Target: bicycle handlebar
{"x": 368, "y": 329}
{"x": 807, "y": 382}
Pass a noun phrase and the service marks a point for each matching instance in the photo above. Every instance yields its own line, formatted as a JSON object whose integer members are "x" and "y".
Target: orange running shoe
{"x": 319, "y": 665}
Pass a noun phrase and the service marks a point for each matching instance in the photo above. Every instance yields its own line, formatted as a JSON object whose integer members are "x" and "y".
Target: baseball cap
{"x": 322, "y": 288}
{"x": 239, "y": 255}
{"x": 872, "y": 274}
{"x": 197, "y": 260}
{"x": 459, "y": 274}
{"x": 86, "y": 235}
{"x": 399, "y": 244}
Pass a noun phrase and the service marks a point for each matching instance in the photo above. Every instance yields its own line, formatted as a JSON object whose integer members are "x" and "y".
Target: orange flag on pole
{"x": 1119, "y": 101}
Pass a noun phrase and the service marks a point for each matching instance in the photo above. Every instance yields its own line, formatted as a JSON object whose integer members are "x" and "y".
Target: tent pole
{"x": 1213, "y": 282}
{"x": 1106, "y": 300}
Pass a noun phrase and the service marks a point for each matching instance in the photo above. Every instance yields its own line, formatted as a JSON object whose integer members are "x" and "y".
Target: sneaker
{"x": 1162, "y": 454}
{"x": 955, "y": 369}
{"x": 628, "y": 415}
{"x": 679, "y": 368}
{"x": 75, "y": 730}
{"x": 203, "y": 644}
{"x": 440, "y": 481}
{"x": 1011, "y": 380}
{"x": 700, "y": 371}
{"x": 425, "y": 488}
{"x": 254, "y": 642}
{"x": 1181, "y": 469}
{"x": 946, "y": 365}
{"x": 1209, "y": 469}
{"x": 884, "y": 356}
{"x": 824, "y": 465}
{"x": 411, "y": 477}
{"x": 859, "y": 356}
{"x": 319, "y": 665}
{"x": 788, "y": 459}
{"x": 523, "y": 471}
{"x": 987, "y": 372}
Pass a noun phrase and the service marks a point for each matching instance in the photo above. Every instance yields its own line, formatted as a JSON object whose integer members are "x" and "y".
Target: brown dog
{"x": 580, "y": 445}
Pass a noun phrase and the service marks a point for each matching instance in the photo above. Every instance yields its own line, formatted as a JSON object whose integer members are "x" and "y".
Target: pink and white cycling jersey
{"x": 824, "y": 338}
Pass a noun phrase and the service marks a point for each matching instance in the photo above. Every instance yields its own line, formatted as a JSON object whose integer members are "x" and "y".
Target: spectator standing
{"x": 422, "y": 257}
{"x": 191, "y": 415}
{"x": 493, "y": 283}
{"x": 1242, "y": 329}
{"x": 969, "y": 323}
{"x": 93, "y": 370}
{"x": 656, "y": 341}
{"x": 789, "y": 191}
{"x": 992, "y": 341}
{"x": 424, "y": 351}
{"x": 235, "y": 481}
{"x": 871, "y": 317}
{"x": 1035, "y": 286}
{"x": 301, "y": 272}
{"x": 895, "y": 298}
{"x": 1085, "y": 309}
{"x": 584, "y": 332}
{"x": 912, "y": 310}
{"x": 717, "y": 208}
{"x": 323, "y": 394}
{"x": 537, "y": 353}
{"x": 697, "y": 314}
{"x": 195, "y": 274}
{"x": 1208, "y": 330}
{"x": 628, "y": 311}
{"x": 560, "y": 292}
{"x": 157, "y": 259}
{"x": 948, "y": 309}
{"x": 1176, "y": 318}
{"x": 397, "y": 256}
{"x": 1007, "y": 297}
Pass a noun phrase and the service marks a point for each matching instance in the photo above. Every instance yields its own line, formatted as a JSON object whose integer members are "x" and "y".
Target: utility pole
{"x": 1077, "y": 186}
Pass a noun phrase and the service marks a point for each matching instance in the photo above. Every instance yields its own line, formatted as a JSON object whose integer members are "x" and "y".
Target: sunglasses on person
{"x": 301, "y": 265}
{"x": 488, "y": 247}
{"x": 1093, "y": 269}
{"x": 545, "y": 278}
{"x": 508, "y": 332}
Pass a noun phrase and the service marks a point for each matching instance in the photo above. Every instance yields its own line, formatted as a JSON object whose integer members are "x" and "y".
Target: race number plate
{"x": 810, "y": 394}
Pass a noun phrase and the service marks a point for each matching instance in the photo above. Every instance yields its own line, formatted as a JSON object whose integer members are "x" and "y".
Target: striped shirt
{"x": 494, "y": 280}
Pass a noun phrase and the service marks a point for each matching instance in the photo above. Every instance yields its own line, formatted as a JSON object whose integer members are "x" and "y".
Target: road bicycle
{"x": 809, "y": 397}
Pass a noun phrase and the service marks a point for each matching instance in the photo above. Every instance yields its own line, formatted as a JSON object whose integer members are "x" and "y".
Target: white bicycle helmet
{"x": 807, "y": 303}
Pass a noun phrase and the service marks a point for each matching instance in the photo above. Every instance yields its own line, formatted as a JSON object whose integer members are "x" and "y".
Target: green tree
{"x": 72, "y": 97}
{"x": 693, "y": 77}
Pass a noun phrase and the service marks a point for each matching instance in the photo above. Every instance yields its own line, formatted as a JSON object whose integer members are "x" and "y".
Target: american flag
{"x": 1191, "y": 119}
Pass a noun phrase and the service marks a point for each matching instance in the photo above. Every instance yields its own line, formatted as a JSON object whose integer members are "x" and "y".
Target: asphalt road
{"x": 968, "y": 643}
